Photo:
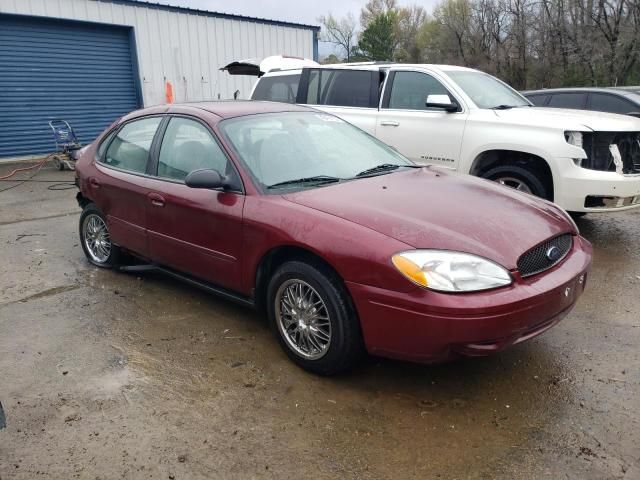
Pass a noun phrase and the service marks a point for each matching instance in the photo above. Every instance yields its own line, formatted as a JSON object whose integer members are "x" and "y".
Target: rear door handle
{"x": 156, "y": 199}
{"x": 94, "y": 183}
{"x": 389, "y": 123}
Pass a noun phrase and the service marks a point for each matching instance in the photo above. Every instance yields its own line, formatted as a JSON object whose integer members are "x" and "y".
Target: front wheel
{"x": 311, "y": 314}
{"x": 518, "y": 178}
{"x": 95, "y": 238}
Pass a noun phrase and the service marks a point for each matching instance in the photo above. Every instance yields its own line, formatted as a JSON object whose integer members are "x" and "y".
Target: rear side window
{"x": 129, "y": 150}
{"x": 279, "y": 88}
{"x": 538, "y": 100}
{"x": 568, "y": 100}
{"x": 188, "y": 145}
{"x": 411, "y": 89}
{"x": 602, "y": 102}
{"x": 343, "y": 88}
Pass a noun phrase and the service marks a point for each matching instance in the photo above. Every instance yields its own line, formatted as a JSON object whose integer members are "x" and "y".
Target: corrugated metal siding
{"x": 186, "y": 48}
{"x": 54, "y": 69}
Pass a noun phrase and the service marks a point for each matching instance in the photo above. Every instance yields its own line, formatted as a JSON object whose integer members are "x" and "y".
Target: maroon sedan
{"x": 346, "y": 245}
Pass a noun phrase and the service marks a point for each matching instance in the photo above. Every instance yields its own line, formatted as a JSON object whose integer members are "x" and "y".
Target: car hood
{"x": 566, "y": 119}
{"x": 432, "y": 208}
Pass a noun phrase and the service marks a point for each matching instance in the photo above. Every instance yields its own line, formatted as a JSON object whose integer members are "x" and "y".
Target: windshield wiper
{"x": 385, "y": 167}
{"x": 318, "y": 179}
{"x": 503, "y": 107}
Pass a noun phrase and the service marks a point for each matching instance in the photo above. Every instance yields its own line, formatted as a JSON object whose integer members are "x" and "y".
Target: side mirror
{"x": 441, "y": 101}
{"x": 210, "y": 179}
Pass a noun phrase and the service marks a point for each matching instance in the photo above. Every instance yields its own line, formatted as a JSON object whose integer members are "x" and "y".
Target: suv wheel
{"x": 518, "y": 178}
{"x": 95, "y": 238}
{"x": 311, "y": 314}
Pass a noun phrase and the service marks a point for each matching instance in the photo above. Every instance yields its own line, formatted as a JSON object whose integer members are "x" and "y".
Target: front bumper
{"x": 427, "y": 326}
{"x": 578, "y": 189}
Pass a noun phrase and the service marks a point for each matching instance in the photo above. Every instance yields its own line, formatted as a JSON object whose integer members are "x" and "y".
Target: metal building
{"x": 91, "y": 61}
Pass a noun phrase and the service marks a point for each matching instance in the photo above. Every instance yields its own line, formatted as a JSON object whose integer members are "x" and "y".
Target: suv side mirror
{"x": 441, "y": 101}
{"x": 210, "y": 179}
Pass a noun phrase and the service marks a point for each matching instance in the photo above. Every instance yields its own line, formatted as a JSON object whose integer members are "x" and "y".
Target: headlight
{"x": 448, "y": 271}
{"x": 574, "y": 138}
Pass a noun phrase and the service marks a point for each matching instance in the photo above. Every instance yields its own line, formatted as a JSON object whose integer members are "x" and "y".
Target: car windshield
{"x": 307, "y": 149}
{"x": 487, "y": 91}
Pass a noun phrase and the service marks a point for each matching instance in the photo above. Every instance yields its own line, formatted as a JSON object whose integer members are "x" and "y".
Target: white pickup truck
{"x": 471, "y": 122}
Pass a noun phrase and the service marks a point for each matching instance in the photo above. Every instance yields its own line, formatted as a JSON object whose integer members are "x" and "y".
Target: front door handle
{"x": 156, "y": 199}
{"x": 389, "y": 123}
{"x": 94, "y": 183}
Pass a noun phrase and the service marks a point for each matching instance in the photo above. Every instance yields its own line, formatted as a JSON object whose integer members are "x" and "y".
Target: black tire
{"x": 575, "y": 215}
{"x": 532, "y": 181}
{"x": 89, "y": 213}
{"x": 346, "y": 345}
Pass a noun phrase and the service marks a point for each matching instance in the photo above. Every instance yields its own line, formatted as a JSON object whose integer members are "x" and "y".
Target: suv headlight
{"x": 448, "y": 271}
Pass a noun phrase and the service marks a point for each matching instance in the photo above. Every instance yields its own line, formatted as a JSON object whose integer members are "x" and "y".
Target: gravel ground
{"x": 111, "y": 375}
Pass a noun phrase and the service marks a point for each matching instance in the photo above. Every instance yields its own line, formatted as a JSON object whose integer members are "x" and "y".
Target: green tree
{"x": 379, "y": 40}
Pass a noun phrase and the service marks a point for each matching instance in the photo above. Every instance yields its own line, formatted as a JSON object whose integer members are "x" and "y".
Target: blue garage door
{"x": 79, "y": 72}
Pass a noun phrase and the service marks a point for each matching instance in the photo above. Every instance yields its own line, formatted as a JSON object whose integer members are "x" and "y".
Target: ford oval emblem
{"x": 553, "y": 254}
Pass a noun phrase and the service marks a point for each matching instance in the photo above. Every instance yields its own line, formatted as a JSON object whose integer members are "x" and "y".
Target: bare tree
{"x": 341, "y": 32}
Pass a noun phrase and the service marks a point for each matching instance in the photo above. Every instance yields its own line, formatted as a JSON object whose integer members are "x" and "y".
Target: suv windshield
{"x": 307, "y": 149}
{"x": 487, "y": 91}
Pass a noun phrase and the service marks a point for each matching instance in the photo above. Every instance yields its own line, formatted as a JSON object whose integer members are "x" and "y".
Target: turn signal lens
{"x": 410, "y": 270}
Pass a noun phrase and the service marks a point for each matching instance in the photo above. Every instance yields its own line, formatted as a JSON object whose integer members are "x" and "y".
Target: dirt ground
{"x": 111, "y": 375}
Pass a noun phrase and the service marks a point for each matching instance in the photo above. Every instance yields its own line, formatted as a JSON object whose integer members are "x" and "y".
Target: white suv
{"x": 466, "y": 120}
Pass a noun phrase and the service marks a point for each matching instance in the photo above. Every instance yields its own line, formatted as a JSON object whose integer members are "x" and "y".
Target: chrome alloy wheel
{"x": 303, "y": 319}
{"x": 96, "y": 238}
{"x": 514, "y": 183}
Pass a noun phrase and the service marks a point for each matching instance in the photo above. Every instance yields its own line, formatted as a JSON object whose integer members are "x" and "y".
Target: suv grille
{"x": 545, "y": 255}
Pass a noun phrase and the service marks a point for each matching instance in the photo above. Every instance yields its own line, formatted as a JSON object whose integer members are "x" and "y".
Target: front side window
{"x": 129, "y": 150}
{"x": 487, "y": 91}
{"x": 568, "y": 100}
{"x": 187, "y": 146}
{"x": 343, "y": 88}
{"x": 279, "y": 88}
{"x": 284, "y": 147}
{"x": 411, "y": 89}
{"x": 603, "y": 102}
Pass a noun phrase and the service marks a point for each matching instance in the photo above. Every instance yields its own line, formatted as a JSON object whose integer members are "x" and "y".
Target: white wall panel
{"x": 186, "y": 48}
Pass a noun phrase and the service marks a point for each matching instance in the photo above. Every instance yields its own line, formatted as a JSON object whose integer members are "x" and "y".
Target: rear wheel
{"x": 310, "y": 312}
{"x": 519, "y": 178}
{"x": 95, "y": 238}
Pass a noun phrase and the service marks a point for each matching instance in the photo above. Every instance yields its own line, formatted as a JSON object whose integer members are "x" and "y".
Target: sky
{"x": 299, "y": 11}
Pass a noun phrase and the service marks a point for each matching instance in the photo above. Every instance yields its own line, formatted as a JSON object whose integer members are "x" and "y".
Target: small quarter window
{"x": 129, "y": 150}
{"x": 279, "y": 88}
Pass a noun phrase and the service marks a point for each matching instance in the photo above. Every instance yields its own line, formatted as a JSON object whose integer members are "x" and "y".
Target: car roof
{"x": 372, "y": 66}
{"x": 622, "y": 91}
{"x": 223, "y": 108}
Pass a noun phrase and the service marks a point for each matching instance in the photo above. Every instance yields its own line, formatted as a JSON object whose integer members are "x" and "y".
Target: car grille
{"x": 537, "y": 259}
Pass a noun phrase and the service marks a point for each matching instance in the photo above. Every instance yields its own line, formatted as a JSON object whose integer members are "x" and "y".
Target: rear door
{"x": 352, "y": 95}
{"x": 196, "y": 231}
{"x": 425, "y": 135}
{"x": 120, "y": 185}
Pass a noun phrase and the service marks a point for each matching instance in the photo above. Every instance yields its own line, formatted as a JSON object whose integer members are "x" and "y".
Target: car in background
{"x": 621, "y": 100}
{"x": 343, "y": 242}
{"x": 468, "y": 121}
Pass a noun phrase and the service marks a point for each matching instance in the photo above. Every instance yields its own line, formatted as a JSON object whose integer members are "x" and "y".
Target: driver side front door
{"x": 195, "y": 231}
{"x": 425, "y": 135}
